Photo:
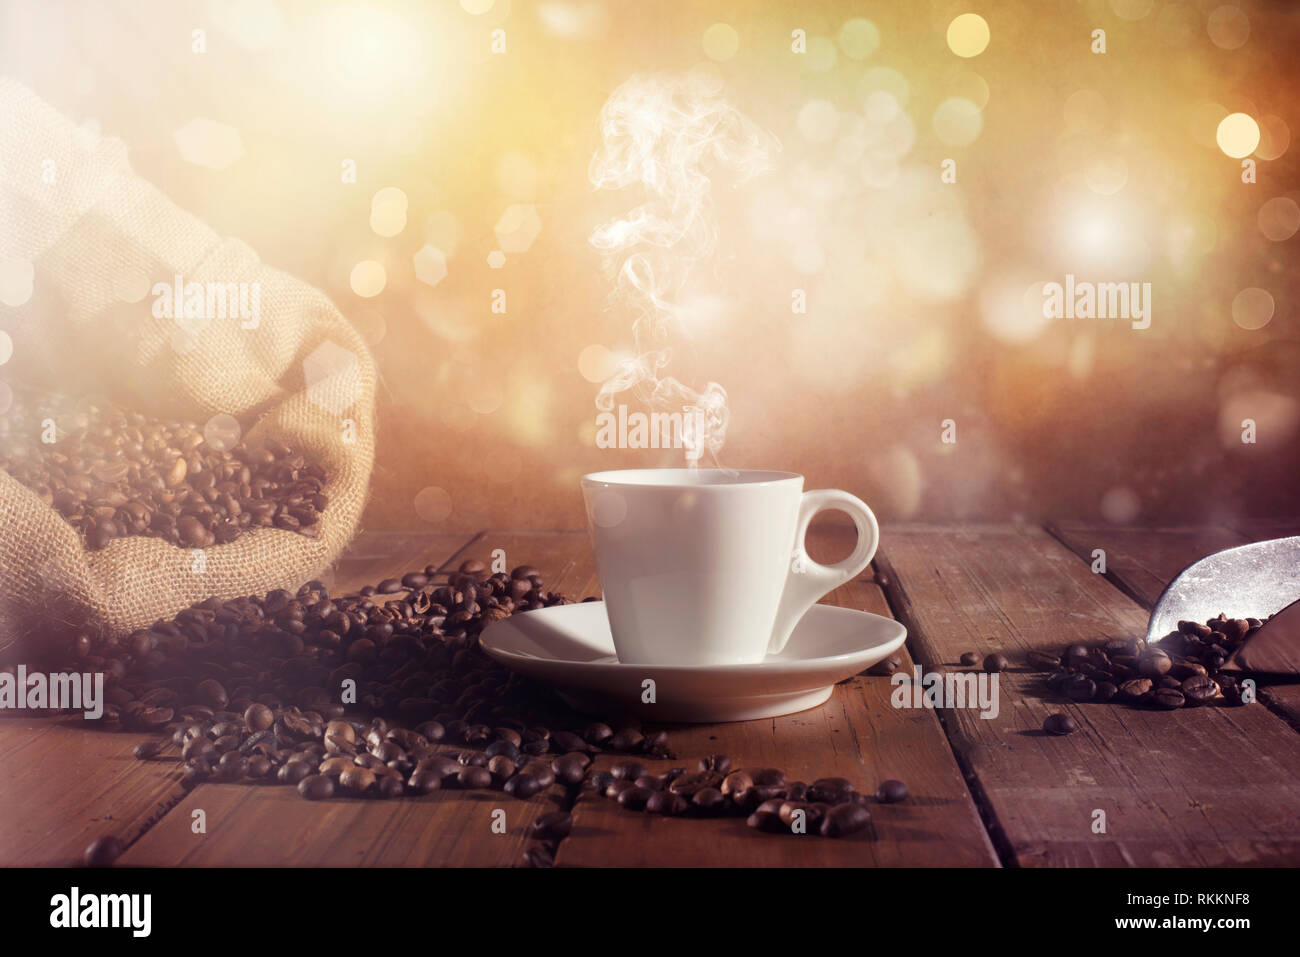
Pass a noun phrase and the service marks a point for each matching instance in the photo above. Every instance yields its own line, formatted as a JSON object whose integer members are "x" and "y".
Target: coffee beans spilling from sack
{"x": 1183, "y": 669}
{"x": 252, "y": 690}
{"x": 112, "y": 473}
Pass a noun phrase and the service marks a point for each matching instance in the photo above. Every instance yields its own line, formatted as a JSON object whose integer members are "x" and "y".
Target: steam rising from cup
{"x": 669, "y": 136}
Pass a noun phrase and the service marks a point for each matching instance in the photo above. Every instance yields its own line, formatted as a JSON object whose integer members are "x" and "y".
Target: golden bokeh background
{"x": 471, "y": 126}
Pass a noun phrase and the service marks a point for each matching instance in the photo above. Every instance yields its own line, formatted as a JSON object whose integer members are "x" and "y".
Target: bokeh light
{"x": 433, "y": 503}
{"x": 887, "y": 79}
{"x": 1252, "y": 308}
{"x": 222, "y": 432}
{"x": 1279, "y": 218}
{"x": 1274, "y": 137}
{"x": 822, "y": 55}
{"x": 1132, "y": 9}
{"x": 1107, "y": 174}
{"x": 957, "y": 122}
{"x": 368, "y": 278}
{"x": 388, "y": 211}
{"x": 596, "y": 363}
{"x": 430, "y": 265}
{"x": 858, "y": 38}
{"x": 1228, "y": 27}
{"x": 968, "y": 35}
{"x": 6, "y": 347}
{"x": 818, "y": 120}
{"x": 1237, "y": 135}
{"x": 721, "y": 42}
{"x": 1121, "y": 505}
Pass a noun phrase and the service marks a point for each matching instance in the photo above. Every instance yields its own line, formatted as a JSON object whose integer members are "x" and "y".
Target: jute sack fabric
{"x": 96, "y": 237}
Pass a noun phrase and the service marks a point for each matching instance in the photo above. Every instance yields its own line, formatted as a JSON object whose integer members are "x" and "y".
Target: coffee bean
{"x": 522, "y": 786}
{"x": 767, "y": 816}
{"x": 501, "y": 768}
{"x": 147, "y": 749}
{"x": 1198, "y": 689}
{"x": 103, "y": 851}
{"x": 634, "y": 798}
{"x": 708, "y": 800}
{"x": 597, "y": 734}
{"x": 553, "y": 826}
{"x": 1169, "y": 698}
{"x": 293, "y": 772}
{"x": 891, "y": 792}
{"x": 717, "y": 763}
{"x": 886, "y": 666}
{"x": 1043, "y": 661}
{"x": 316, "y": 787}
{"x": 666, "y": 803}
{"x": 565, "y": 741}
{"x": 1074, "y": 654}
{"x": 258, "y": 717}
{"x": 1136, "y": 689}
{"x": 1153, "y": 663}
{"x": 736, "y": 783}
{"x": 570, "y": 768}
{"x": 995, "y": 663}
{"x": 1060, "y": 724}
{"x": 628, "y": 739}
{"x": 1080, "y": 688}
{"x": 829, "y": 790}
{"x": 474, "y": 777}
{"x": 628, "y": 770}
{"x": 424, "y": 780}
{"x": 970, "y": 659}
{"x": 845, "y": 819}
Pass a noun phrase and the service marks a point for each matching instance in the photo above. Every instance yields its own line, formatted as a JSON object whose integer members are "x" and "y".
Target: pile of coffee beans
{"x": 1182, "y": 669}
{"x": 768, "y": 801}
{"x": 253, "y": 690}
{"x": 112, "y": 473}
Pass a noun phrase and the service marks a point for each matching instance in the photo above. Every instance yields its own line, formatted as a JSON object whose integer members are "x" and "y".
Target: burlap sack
{"x": 71, "y": 206}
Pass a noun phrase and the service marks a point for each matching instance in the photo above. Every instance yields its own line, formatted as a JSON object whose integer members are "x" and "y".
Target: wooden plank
{"x": 271, "y": 825}
{"x": 1141, "y": 562}
{"x": 64, "y": 783}
{"x": 1201, "y": 787}
{"x": 857, "y": 734}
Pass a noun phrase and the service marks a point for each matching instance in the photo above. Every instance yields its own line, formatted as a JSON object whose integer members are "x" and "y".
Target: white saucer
{"x": 570, "y": 647}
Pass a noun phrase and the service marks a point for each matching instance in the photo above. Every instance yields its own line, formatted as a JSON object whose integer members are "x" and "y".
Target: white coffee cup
{"x": 707, "y": 566}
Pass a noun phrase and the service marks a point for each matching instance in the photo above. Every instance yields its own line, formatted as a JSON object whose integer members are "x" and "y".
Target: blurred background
{"x": 427, "y": 165}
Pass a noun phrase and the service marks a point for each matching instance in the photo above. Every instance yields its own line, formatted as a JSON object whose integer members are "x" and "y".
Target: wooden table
{"x": 1209, "y": 786}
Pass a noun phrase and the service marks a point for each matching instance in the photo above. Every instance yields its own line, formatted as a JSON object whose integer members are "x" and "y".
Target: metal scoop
{"x": 1249, "y": 581}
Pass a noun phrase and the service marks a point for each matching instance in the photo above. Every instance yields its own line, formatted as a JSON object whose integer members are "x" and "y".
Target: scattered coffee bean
{"x": 995, "y": 663}
{"x": 886, "y": 666}
{"x": 103, "y": 851}
{"x": 891, "y": 791}
{"x": 147, "y": 749}
{"x": 970, "y": 659}
{"x": 1060, "y": 724}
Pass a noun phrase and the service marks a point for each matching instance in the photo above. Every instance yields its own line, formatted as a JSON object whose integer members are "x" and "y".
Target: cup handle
{"x": 807, "y": 580}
